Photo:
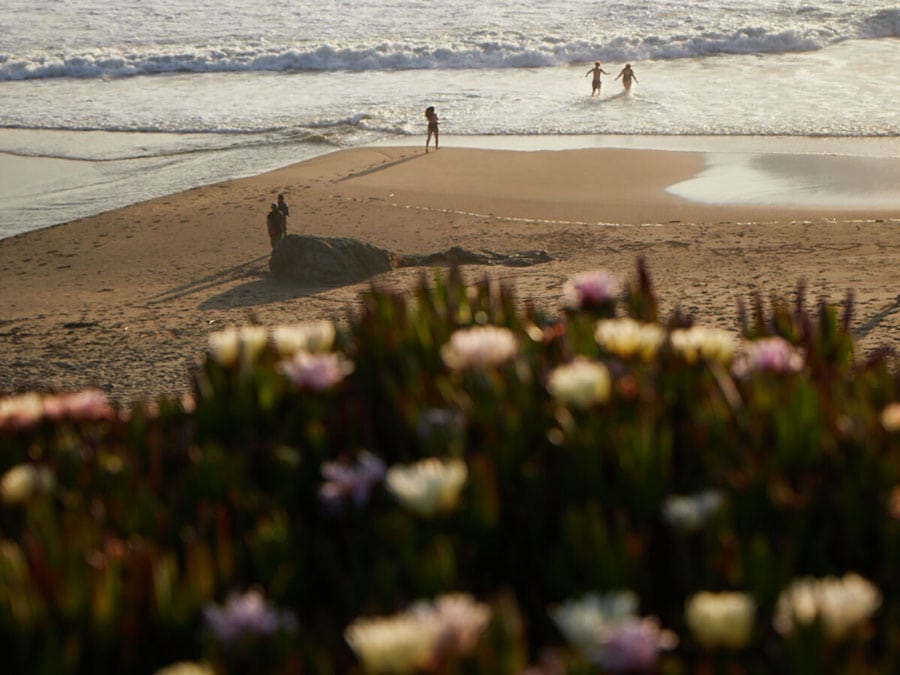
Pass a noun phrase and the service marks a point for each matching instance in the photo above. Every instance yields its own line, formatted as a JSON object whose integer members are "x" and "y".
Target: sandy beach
{"x": 125, "y": 300}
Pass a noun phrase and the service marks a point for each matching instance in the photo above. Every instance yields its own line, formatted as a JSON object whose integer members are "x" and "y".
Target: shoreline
{"x": 126, "y": 299}
{"x": 52, "y": 179}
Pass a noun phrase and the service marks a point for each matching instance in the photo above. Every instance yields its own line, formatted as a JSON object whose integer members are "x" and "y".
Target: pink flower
{"x": 479, "y": 347}
{"x": 634, "y": 646}
{"x": 317, "y": 372}
{"x": 591, "y": 290}
{"x": 88, "y": 404}
{"x": 769, "y": 355}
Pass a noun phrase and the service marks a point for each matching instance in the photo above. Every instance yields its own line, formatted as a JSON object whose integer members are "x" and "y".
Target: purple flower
{"x": 246, "y": 617}
{"x": 634, "y": 646}
{"x": 356, "y": 482}
{"x": 591, "y": 290}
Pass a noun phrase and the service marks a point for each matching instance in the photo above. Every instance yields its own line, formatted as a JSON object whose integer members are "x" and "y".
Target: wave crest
{"x": 484, "y": 50}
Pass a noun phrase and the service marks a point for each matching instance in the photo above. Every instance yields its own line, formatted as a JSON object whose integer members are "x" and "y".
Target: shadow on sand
{"x": 264, "y": 291}
{"x": 260, "y": 288}
{"x": 302, "y": 266}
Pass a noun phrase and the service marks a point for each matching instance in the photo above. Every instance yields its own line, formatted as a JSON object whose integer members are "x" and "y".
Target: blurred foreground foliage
{"x": 455, "y": 483}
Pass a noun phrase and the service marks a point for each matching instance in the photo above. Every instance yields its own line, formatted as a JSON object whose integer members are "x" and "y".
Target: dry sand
{"x": 125, "y": 300}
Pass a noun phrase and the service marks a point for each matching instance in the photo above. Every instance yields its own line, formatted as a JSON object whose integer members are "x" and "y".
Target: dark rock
{"x": 327, "y": 260}
{"x": 332, "y": 260}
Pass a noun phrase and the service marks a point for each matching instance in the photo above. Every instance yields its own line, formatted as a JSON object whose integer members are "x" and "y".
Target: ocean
{"x": 106, "y": 103}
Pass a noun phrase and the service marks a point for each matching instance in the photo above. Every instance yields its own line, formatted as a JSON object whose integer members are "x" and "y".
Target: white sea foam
{"x": 107, "y": 38}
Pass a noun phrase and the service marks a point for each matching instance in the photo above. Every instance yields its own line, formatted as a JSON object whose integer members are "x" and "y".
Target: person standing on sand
{"x": 595, "y": 82}
{"x": 275, "y": 224}
{"x": 432, "y": 118}
{"x": 285, "y": 210}
{"x": 627, "y": 74}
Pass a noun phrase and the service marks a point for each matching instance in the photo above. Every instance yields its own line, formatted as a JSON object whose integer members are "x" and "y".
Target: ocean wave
{"x": 481, "y": 51}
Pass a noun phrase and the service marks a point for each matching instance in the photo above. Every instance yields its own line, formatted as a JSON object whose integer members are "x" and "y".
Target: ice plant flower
{"x": 479, "y": 347}
{"x": 691, "y": 512}
{"x": 246, "y": 617}
{"x": 186, "y": 668}
{"x": 841, "y": 605}
{"x": 721, "y": 620}
{"x": 398, "y": 644}
{"x": 428, "y": 487}
{"x": 591, "y": 290}
{"x": 458, "y": 619}
{"x": 585, "y": 621}
{"x": 634, "y": 646}
{"x": 310, "y": 336}
{"x": 21, "y": 412}
{"x": 890, "y": 417}
{"x": 232, "y": 345}
{"x": 252, "y": 343}
{"x": 701, "y": 343}
{"x": 355, "y": 482}
{"x": 317, "y": 372}
{"x": 627, "y": 338}
{"x": 24, "y": 482}
{"x": 225, "y": 346}
{"x": 580, "y": 384}
{"x": 88, "y": 404}
{"x": 768, "y": 355}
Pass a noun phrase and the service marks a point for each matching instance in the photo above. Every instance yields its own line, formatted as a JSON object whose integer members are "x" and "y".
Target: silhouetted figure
{"x": 627, "y": 74}
{"x": 595, "y": 81}
{"x": 432, "y": 118}
{"x": 275, "y": 224}
{"x": 285, "y": 210}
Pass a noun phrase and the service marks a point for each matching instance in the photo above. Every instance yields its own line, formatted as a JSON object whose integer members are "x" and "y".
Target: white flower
{"x": 590, "y": 290}
{"x": 428, "y": 487}
{"x": 580, "y": 383}
{"x": 419, "y": 637}
{"x": 890, "y": 417}
{"x": 310, "y": 336}
{"x": 479, "y": 347}
{"x": 317, "y": 372}
{"x": 402, "y": 643}
{"x": 22, "y": 411}
{"x": 691, "y": 512}
{"x": 231, "y": 345}
{"x": 225, "y": 346}
{"x": 460, "y": 621}
{"x": 586, "y": 621}
{"x": 841, "y": 604}
{"x": 24, "y": 482}
{"x": 702, "y": 343}
{"x": 627, "y": 338}
{"x": 769, "y": 355}
{"x": 721, "y": 619}
{"x": 253, "y": 341}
